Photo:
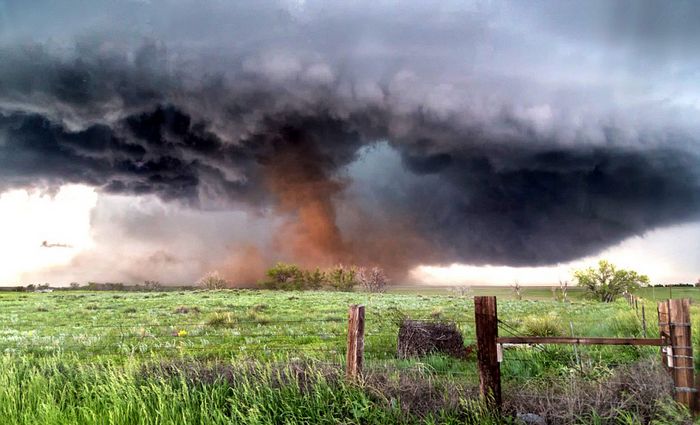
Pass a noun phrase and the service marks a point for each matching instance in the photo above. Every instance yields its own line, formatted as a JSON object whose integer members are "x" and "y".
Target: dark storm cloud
{"x": 533, "y": 207}
{"x": 39, "y": 151}
{"x": 514, "y": 156}
{"x": 57, "y": 128}
{"x": 85, "y": 86}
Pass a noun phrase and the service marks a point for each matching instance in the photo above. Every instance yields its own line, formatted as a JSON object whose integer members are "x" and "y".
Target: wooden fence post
{"x": 356, "y": 341}
{"x": 682, "y": 354}
{"x": 664, "y": 332}
{"x": 486, "y": 319}
{"x": 644, "y": 321}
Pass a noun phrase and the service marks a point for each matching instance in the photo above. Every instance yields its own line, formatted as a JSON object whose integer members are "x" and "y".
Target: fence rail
{"x": 581, "y": 340}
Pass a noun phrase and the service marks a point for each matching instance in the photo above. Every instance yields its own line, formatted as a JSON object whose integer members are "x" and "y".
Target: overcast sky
{"x": 478, "y": 142}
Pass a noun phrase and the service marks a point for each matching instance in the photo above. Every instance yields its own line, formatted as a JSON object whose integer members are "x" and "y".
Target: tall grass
{"x": 55, "y": 391}
{"x": 65, "y": 391}
{"x": 49, "y": 391}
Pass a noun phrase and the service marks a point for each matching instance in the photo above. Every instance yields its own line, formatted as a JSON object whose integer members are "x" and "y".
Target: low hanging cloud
{"x": 497, "y": 165}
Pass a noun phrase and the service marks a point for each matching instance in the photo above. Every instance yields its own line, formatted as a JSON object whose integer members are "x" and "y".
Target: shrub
{"x": 607, "y": 282}
{"x": 290, "y": 277}
{"x": 212, "y": 280}
{"x": 373, "y": 279}
{"x": 285, "y": 277}
{"x": 313, "y": 279}
{"x": 152, "y": 285}
{"x": 342, "y": 278}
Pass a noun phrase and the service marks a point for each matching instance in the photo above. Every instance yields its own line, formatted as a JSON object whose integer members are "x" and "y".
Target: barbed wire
{"x": 232, "y": 322}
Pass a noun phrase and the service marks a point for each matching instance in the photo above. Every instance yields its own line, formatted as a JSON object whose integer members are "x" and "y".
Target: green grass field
{"x": 545, "y": 292}
{"x": 263, "y": 325}
{"x": 108, "y": 337}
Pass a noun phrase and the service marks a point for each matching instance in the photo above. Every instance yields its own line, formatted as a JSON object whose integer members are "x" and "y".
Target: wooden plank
{"x": 356, "y": 342}
{"x": 579, "y": 340}
{"x": 664, "y": 332}
{"x": 682, "y": 345}
{"x": 486, "y": 318}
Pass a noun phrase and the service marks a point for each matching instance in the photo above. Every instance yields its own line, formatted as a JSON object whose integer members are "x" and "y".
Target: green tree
{"x": 313, "y": 279}
{"x": 342, "y": 278}
{"x": 285, "y": 277}
{"x": 607, "y": 282}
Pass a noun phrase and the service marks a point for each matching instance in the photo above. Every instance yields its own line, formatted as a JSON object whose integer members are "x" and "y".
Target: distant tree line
{"x": 147, "y": 286}
{"x": 288, "y": 277}
{"x": 282, "y": 276}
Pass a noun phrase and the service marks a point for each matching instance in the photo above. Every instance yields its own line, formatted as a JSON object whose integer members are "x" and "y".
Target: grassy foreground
{"x": 47, "y": 391}
{"x": 44, "y": 392}
{"x": 80, "y": 357}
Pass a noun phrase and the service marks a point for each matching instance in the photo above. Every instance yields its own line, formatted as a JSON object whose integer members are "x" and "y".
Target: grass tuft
{"x": 222, "y": 320}
{"x": 545, "y": 325}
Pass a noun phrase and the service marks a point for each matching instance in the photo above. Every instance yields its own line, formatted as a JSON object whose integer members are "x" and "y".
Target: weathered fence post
{"x": 664, "y": 332}
{"x": 682, "y": 352}
{"x": 486, "y": 319}
{"x": 356, "y": 341}
{"x": 644, "y": 321}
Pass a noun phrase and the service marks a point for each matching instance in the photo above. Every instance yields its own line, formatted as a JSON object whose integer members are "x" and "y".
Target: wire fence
{"x": 223, "y": 336}
{"x": 547, "y": 374}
